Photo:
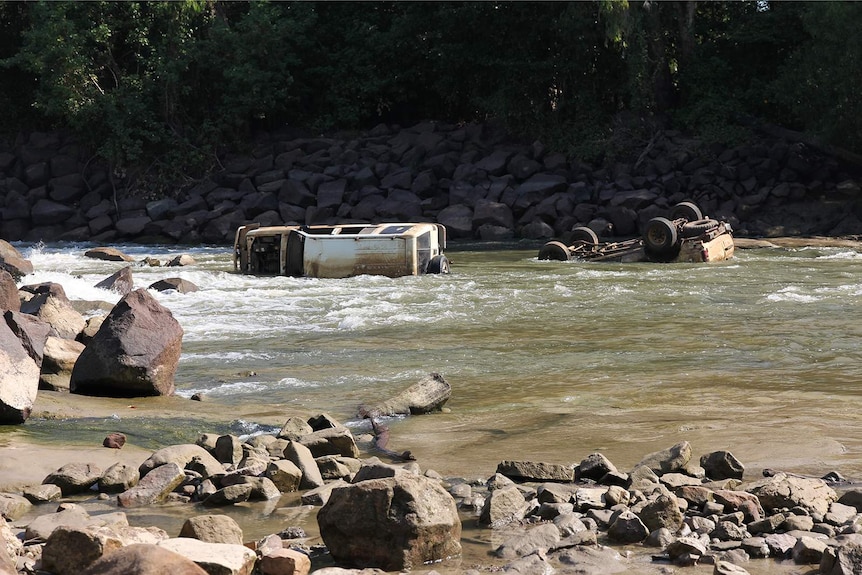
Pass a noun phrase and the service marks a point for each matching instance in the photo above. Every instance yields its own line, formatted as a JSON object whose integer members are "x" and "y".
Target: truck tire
{"x": 697, "y": 227}
{"x": 687, "y": 211}
{"x": 584, "y": 234}
{"x": 660, "y": 237}
{"x": 555, "y": 251}
{"x": 438, "y": 265}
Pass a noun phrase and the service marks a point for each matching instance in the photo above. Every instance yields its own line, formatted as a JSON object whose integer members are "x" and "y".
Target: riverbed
{"x": 548, "y": 361}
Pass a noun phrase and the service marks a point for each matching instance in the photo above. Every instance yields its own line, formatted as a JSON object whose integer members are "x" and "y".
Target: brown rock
{"x": 114, "y": 440}
{"x": 135, "y": 352}
{"x": 120, "y": 281}
{"x": 143, "y": 559}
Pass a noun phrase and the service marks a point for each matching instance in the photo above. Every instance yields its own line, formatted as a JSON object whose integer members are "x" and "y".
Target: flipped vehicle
{"x": 339, "y": 251}
{"x": 686, "y": 236}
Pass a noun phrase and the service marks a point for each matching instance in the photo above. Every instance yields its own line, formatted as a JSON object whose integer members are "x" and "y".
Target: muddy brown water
{"x": 548, "y": 361}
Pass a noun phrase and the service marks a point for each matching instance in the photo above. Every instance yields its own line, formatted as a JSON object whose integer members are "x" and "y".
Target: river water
{"x": 548, "y": 361}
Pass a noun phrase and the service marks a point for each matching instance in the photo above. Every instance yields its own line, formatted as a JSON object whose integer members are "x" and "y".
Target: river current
{"x": 548, "y": 361}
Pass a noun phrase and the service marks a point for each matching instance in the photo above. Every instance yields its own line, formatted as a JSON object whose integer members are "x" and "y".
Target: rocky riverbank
{"x": 470, "y": 178}
{"x": 371, "y": 513}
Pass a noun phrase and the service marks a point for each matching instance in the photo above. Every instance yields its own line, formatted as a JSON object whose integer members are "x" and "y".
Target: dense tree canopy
{"x": 168, "y": 83}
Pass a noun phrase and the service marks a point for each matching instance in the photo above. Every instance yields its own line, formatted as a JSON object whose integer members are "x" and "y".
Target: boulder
{"x": 594, "y": 467}
{"x": 537, "y": 540}
{"x": 229, "y": 495}
{"x": 19, "y": 379}
{"x": 50, "y": 304}
{"x": 593, "y": 560}
{"x": 32, "y": 331}
{"x": 626, "y": 528}
{"x": 668, "y": 460}
{"x": 12, "y": 262}
{"x": 42, "y": 493}
{"x": 13, "y": 506}
{"x": 58, "y": 360}
{"x": 135, "y": 352}
{"x": 178, "y": 285}
{"x": 331, "y": 441}
{"x": 782, "y": 490}
{"x": 69, "y": 550}
{"x": 181, "y": 260}
{"x": 114, "y": 440}
{"x": 294, "y": 428}
{"x": 120, "y": 281}
{"x": 118, "y": 478}
{"x": 9, "y": 299}
{"x": 722, "y": 465}
{"x": 108, "y": 254}
{"x": 143, "y": 559}
{"x": 214, "y": 558}
{"x": 536, "y": 471}
{"x": 153, "y": 487}
{"x": 301, "y": 456}
{"x": 428, "y": 394}
{"x": 74, "y": 478}
{"x": 285, "y": 475}
{"x": 284, "y": 562}
{"x": 503, "y": 506}
{"x": 184, "y": 455}
{"x": 843, "y": 560}
{"x": 394, "y": 524}
{"x": 212, "y": 529}
{"x": 40, "y": 528}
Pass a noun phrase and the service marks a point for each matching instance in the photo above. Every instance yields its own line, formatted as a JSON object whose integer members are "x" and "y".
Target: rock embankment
{"x": 470, "y": 178}
{"x": 669, "y": 509}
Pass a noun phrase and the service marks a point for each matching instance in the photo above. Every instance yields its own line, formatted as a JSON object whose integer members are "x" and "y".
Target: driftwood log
{"x": 426, "y": 395}
{"x": 381, "y": 439}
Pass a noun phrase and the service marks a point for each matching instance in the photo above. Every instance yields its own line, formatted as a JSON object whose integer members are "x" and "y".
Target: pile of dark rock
{"x": 469, "y": 177}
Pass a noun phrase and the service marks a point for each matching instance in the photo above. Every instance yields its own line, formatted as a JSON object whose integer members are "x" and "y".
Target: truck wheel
{"x": 554, "y": 251}
{"x": 697, "y": 227}
{"x": 686, "y": 210}
{"x": 584, "y": 234}
{"x": 660, "y": 236}
{"x": 438, "y": 265}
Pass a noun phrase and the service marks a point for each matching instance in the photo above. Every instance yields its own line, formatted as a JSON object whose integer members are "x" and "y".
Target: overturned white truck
{"x": 339, "y": 251}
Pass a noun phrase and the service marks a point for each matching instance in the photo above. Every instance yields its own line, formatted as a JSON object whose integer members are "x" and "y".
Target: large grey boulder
{"x": 32, "y": 331}
{"x": 722, "y": 465}
{"x": 19, "y": 379}
{"x": 503, "y": 506}
{"x": 13, "y": 262}
{"x": 74, "y": 478}
{"x": 428, "y": 394}
{"x": 782, "y": 490}
{"x": 536, "y": 471}
{"x": 153, "y": 487}
{"x": 212, "y": 529}
{"x": 108, "y": 254}
{"x": 9, "y": 299}
{"x": 50, "y": 304}
{"x": 143, "y": 559}
{"x": 668, "y": 460}
{"x": 135, "y": 352}
{"x": 331, "y": 441}
{"x": 69, "y": 550}
{"x": 178, "y": 285}
{"x": 214, "y": 558}
{"x": 184, "y": 455}
{"x": 58, "y": 360}
{"x": 120, "y": 281}
{"x": 394, "y": 524}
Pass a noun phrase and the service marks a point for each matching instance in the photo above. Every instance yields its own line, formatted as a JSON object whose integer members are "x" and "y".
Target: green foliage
{"x": 820, "y": 82}
{"x": 160, "y": 87}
